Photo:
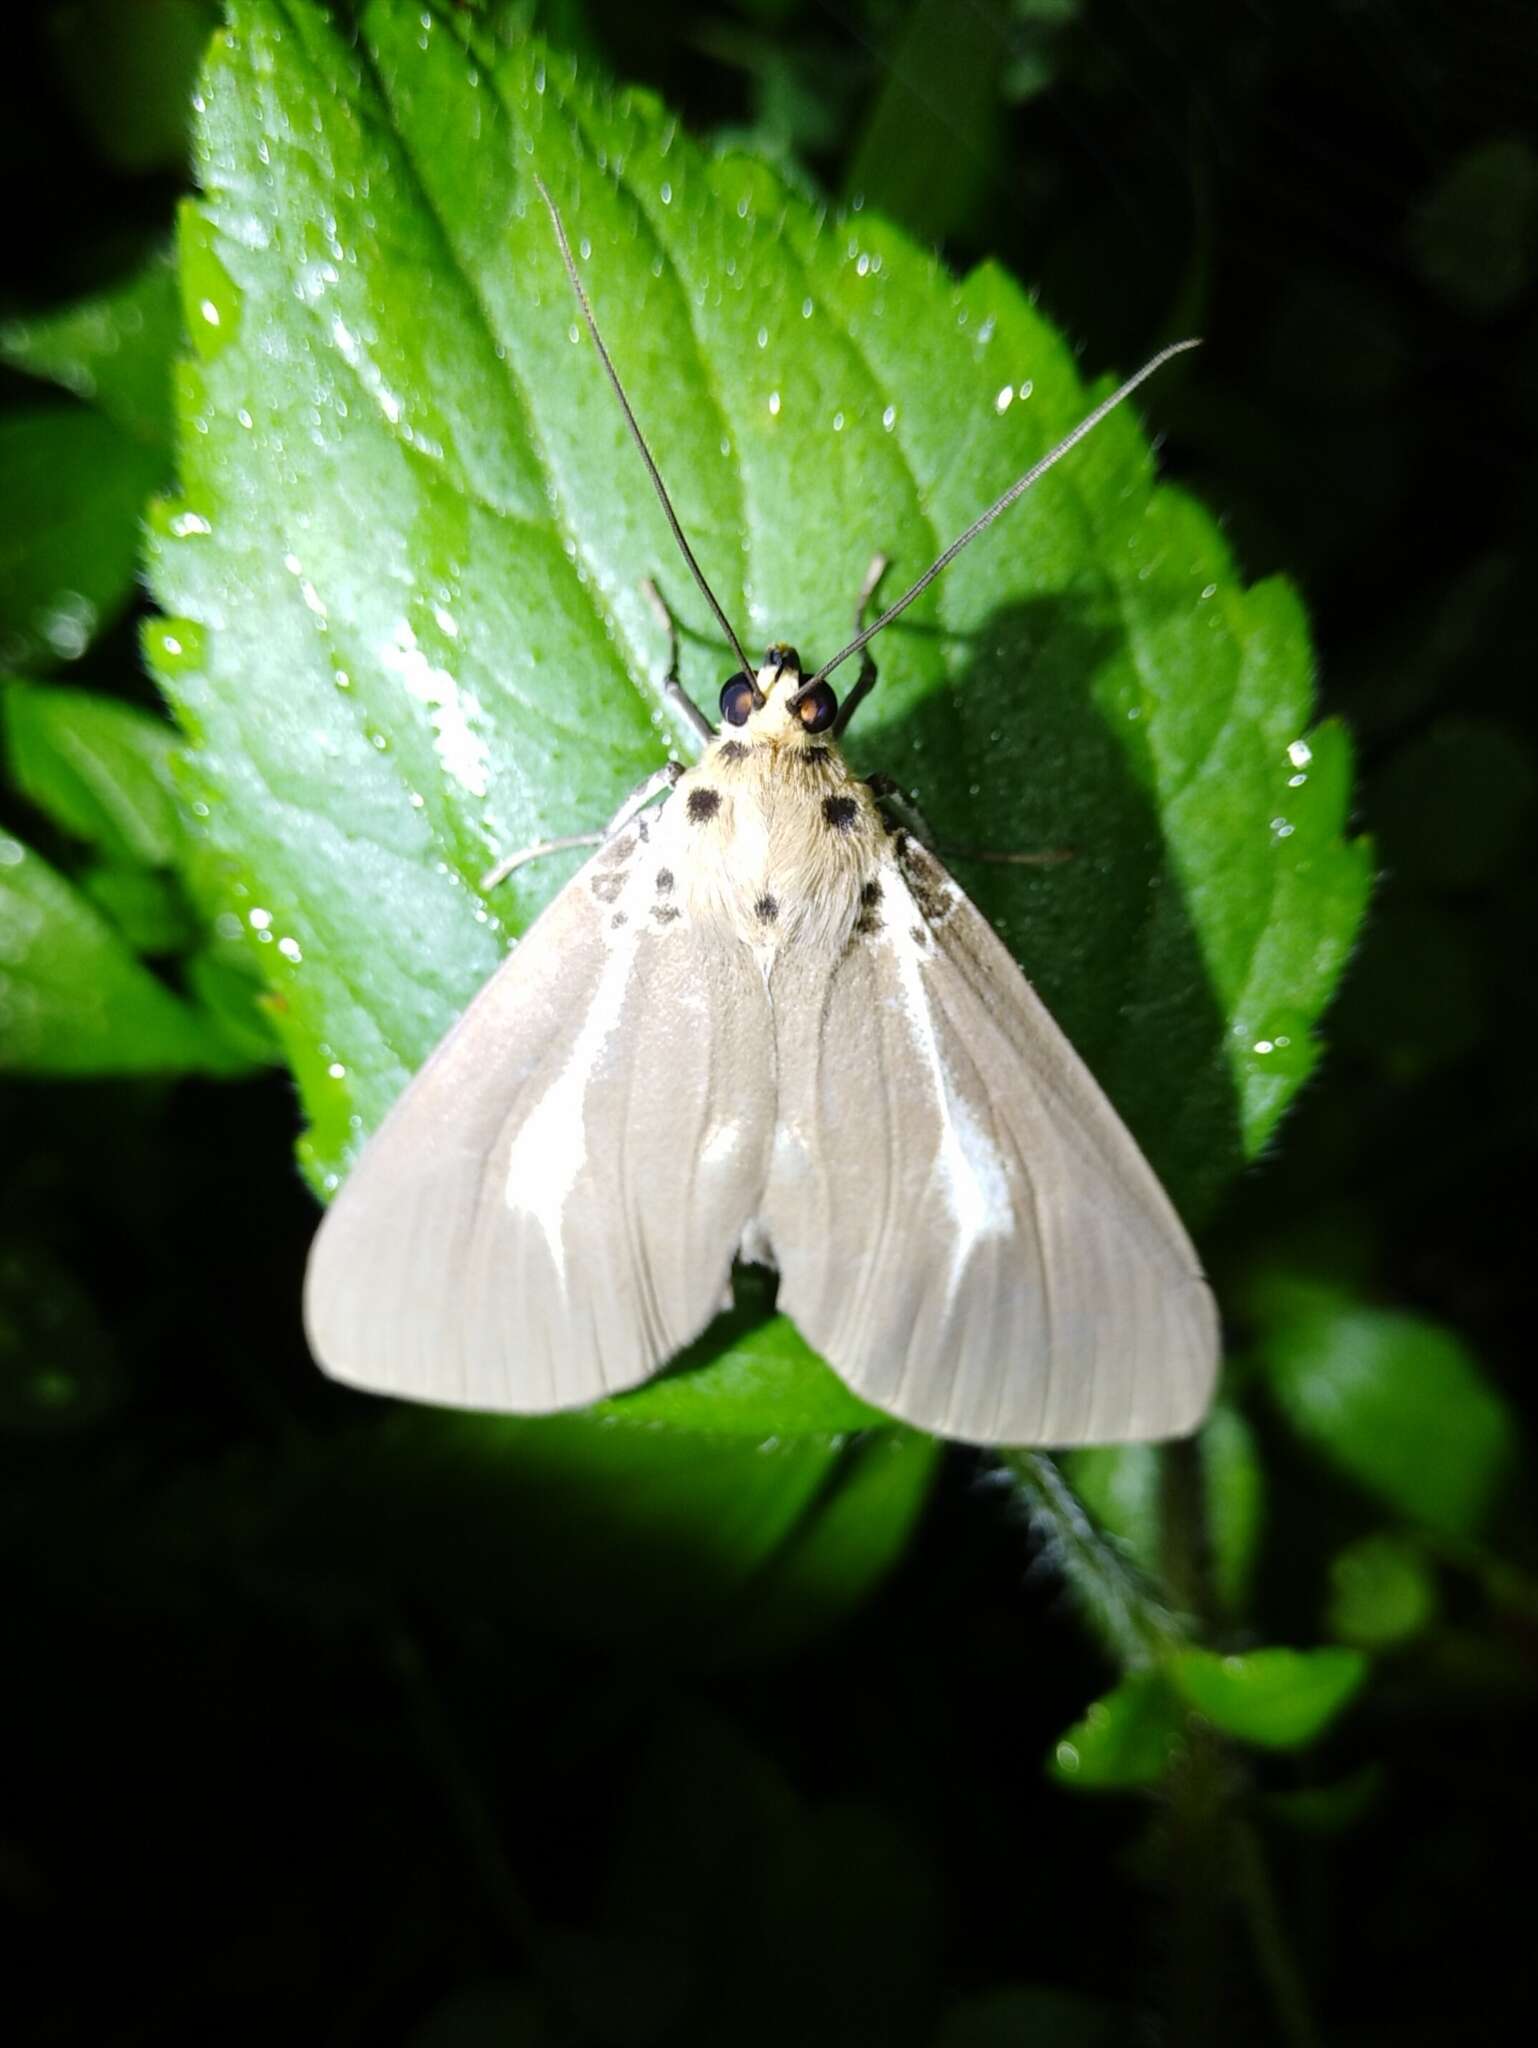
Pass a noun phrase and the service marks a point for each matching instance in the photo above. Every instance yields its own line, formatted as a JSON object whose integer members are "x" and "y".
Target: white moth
{"x": 765, "y": 1023}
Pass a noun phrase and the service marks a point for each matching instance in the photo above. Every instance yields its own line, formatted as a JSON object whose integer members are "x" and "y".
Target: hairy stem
{"x": 1126, "y": 1611}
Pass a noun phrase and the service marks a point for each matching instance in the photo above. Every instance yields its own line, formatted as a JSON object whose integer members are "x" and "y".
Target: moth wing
{"x": 964, "y": 1227}
{"x": 551, "y": 1208}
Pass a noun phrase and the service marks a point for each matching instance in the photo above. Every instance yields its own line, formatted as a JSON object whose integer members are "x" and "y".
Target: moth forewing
{"x": 975, "y": 1243}
{"x": 549, "y": 1211}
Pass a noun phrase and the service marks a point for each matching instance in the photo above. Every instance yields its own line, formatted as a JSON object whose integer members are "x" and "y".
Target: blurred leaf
{"x": 73, "y": 1000}
{"x": 76, "y": 485}
{"x": 645, "y": 1540}
{"x": 113, "y": 350}
{"x": 1126, "y": 1738}
{"x": 930, "y": 141}
{"x": 1396, "y": 1401}
{"x": 1329, "y": 1809}
{"x": 1038, "y": 35}
{"x": 225, "y": 986}
{"x": 1119, "y": 1484}
{"x": 1475, "y": 237}
{"x": 99, "y": 769}
{"x": 1235, "y": 1481}
{"x": 405, "y": 626}
{"x": 1383, "y": 1592}
{"x": 128, "y": 73}
{"x": 843, "y": 1548}
{"x": 147, "y": 908}
{"x": 1278, "y": 1699}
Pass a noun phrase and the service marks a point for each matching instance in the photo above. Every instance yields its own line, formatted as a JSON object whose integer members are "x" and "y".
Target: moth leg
{"x": 912, "y": 819}
{"x": 865, "y": 681}
{"x": 643, "y": 794}
{"x": 672, "y": 688}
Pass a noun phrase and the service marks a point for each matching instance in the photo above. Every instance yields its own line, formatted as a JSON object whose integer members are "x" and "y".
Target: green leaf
{"x": 113, "y": 350}
{"x": 751, "y": 1370}
{"x": 1396, "y": 1401}
{"x": 405, "y": 628}
{"x": 591, "y": 1532}
{"x": 1277, "y": 1699}
{"x": 1125, "y": 1739}
{"x": 856, "y": 1534}
{"x": 100, "y": 769}
{"x": 73, "y": 1000}
{"x": 69, "y": 529}
{"x": 1330, "y": 1809}
{"x": 147, "y": 908}
{"x": 1383, "y": 1592}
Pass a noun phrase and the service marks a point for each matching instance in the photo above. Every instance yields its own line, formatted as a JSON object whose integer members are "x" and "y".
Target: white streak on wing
{"x": 721, "y": 1141}
{"x": 549, "y": 1152}
{"x": 972, "y": 1176}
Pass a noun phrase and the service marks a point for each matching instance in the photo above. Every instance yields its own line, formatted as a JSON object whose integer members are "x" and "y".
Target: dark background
{"x": 264, "y": 1784}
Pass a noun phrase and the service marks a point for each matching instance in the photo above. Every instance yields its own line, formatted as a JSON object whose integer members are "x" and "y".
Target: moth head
{"x": 763, "y": 702}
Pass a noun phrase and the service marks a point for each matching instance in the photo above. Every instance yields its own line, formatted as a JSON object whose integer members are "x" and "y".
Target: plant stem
{"x": 1126, "y": 1611}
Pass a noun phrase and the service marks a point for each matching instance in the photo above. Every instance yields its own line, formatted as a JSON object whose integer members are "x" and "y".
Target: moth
{"x": 764, "y": 1022}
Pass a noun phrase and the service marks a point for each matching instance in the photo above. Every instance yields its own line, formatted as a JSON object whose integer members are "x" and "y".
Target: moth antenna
{"x": 1016, "y": 490}
{"x": 634, "y": 425}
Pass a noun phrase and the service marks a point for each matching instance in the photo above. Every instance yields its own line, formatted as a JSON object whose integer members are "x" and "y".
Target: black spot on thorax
{"x": 841, "y": 812}
{"x": 703, "y": 804}
{"x": 731, "y": 750}
{"x": 766, "y": 909}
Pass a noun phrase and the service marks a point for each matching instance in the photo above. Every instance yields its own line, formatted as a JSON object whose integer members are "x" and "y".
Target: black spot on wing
{"x": 666, "y": 913}
{"x": 619, "y": 918}
{"x": 664, "y": 881}
{"x": 608, "y": 888}
{"x": 840, "y": 812}
{"x": 703, "y": 805}
{"x": 871, "y": 893}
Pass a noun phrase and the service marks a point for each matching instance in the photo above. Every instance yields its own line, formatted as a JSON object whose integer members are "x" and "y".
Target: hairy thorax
{"x": 780, "y": 842}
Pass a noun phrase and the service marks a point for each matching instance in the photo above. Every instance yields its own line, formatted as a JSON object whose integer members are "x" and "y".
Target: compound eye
{"x": 737, "y": 700}
{"x": 818, "y": 710}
